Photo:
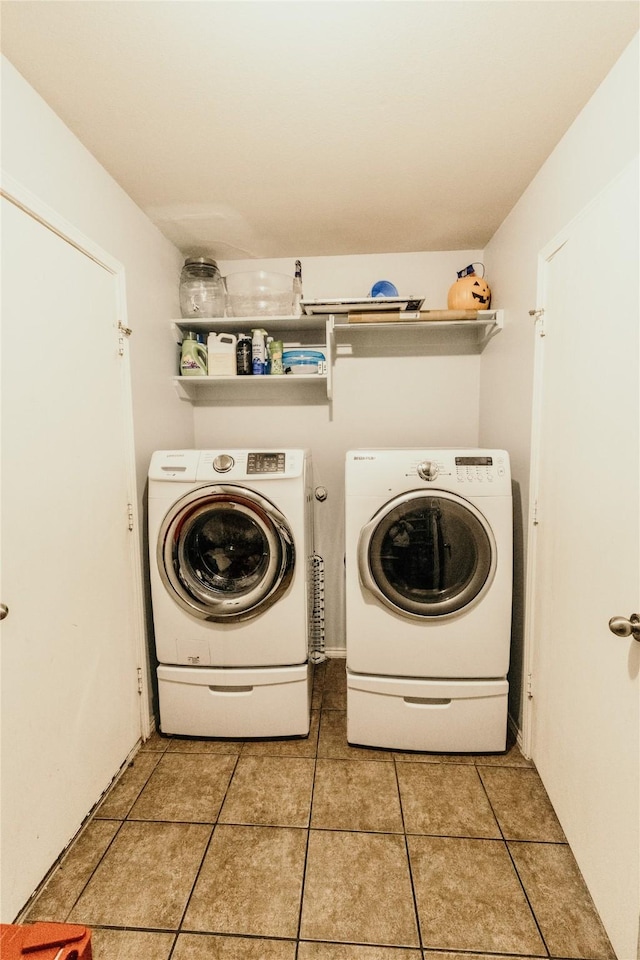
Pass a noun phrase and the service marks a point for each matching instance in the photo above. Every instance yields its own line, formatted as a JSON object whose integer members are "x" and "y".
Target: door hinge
{"x": 140, "y": 680}
{"x": 535, "y": 519}
{"x": 130, "y": 515}
{"x": 529, "y": 686}
{"x": 123, "y": 332}
{"x": 538, "y": 316}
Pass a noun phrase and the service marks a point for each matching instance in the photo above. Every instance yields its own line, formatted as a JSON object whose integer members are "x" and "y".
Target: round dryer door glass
{"x": 222, "y": 550}
{"x": 225, "y": 553}
{"x": 427, "y": 555}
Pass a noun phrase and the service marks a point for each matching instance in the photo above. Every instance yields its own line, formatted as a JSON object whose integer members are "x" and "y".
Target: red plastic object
{"x": 45, "y": 941}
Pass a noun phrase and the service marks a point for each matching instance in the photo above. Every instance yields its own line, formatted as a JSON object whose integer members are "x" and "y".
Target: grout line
{"x": 204, "y": 856}
{"x": 406, "y": 847}
{"x": 306, "y": 852}
{"x": 506, "y": 846}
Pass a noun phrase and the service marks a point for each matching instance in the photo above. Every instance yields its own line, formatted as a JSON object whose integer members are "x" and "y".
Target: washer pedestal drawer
{"x": 235, "y": 703}
{"x": 440, "y": 716}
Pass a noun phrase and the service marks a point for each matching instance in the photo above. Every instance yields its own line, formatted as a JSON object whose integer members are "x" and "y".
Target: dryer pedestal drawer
{"x": 440, "y": 716}
{"x": 235, "y": 703}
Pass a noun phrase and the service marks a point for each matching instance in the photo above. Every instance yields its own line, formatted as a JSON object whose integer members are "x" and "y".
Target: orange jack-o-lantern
{"x": 469, "y": 293}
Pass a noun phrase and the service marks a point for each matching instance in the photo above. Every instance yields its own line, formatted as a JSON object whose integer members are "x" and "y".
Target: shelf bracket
{"x": 494, "y": 323}
{"x": 181, "y": 390}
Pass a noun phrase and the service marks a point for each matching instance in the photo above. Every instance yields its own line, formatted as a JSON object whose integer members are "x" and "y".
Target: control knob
{"x": 428, "y": 470}
{"x": 223, "y": 463}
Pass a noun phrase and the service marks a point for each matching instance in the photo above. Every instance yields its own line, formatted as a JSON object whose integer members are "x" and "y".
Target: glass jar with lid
{"x": 201, "y": 289}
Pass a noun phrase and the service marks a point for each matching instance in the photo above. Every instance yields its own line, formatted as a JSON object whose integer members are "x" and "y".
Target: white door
{"x": 587, "y": 551}
{"x": 70, "y": 706}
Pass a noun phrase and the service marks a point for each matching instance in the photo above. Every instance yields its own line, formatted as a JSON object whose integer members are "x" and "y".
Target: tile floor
{"x": 315, "y": 850}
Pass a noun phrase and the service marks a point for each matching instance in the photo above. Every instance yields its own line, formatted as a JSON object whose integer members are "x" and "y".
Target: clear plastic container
{"x": 258, "y": 293}
{"x": 302, "y": 362}
{"x": 201, "y": 289}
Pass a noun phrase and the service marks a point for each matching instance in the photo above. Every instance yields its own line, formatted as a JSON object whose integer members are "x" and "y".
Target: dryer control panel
{"x": 479, "y": 469}
{"x": 265, "y": 463}
{"x": 471, "y": 472}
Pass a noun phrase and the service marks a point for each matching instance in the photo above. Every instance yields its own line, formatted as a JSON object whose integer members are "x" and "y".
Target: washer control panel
{"x": 479, "y": 469}
{"x": 265, "y": 463}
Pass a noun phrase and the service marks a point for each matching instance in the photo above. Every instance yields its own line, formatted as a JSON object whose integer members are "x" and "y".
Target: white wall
{"x": 40, "y": 152}
{"x": 391, "y": 388}
{"x": 599, "y": 144}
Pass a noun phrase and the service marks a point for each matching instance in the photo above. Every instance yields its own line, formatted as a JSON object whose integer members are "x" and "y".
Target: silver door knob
{"x": 626, "y": 628}
{"x": 4, "y": 611}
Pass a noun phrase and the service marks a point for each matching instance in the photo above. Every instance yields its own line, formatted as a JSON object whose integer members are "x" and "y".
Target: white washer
{"x": 231, "y": 555}
{"x": 429, "y": 537}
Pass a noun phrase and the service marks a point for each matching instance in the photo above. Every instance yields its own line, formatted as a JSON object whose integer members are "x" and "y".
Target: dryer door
{"x": 225, "y": 553}
{"x": 427, "y": 555}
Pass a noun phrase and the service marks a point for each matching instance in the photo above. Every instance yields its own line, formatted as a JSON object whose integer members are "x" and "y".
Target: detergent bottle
{"x": 221, "y": 350}
{"x": 193, "y": 356}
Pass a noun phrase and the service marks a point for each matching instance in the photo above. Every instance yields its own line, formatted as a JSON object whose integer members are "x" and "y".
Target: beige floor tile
{"x": 206, "y": 947}
{"x": 124, "y": 793}
{"x": 66, "y": 884}
{"x": 412, "y": 756}
{"x": 130, "y": 945}
{"x": 469, "y": 897}
{"x": 356, "y": 795}
{"x": 270, "y": 791}
{"x": 448, "y": 955}
{"x": 560, "y": 900}
{"x": 250, "y": 882}
{"x": 293, "y": 747}
{"x": 334, "y": 695}
{"x": 358, "y": 889}
{"x": 156, "y": 742}
{"x": 521, "y": 804}
{"x": 342, "y": 951}
{"x": 445, "y": 799}
{"x": 145, "y": 878}
{"x": 332, "y": 741}
{"x": 193, "y": 745}
{"x": 185, "y": 787}
{"x": 511, "y": 757}
{"x": 319, "y": 672}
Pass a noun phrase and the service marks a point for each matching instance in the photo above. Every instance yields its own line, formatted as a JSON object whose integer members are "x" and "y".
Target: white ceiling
{"x": 291, "y": 129}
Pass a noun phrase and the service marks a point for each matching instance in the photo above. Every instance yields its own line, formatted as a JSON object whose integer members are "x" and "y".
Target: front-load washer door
{"x": 225, "y": 553}
{"x": 427, "y": 555}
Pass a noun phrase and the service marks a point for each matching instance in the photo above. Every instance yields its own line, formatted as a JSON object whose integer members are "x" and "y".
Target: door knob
{"x": 4, "y": 611}
{"x": 626, "y": 628}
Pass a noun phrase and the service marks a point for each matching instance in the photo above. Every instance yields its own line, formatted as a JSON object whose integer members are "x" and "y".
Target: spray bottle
{"x": 258, "y": 351}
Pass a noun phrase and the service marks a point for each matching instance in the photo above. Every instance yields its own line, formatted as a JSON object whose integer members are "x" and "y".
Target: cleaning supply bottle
{"x": 193, "y": 356}
{"x": 258, "y": 351}
{"x": 297, "y": 290}
{"x": 221, "y": 353}
{"x": 243, "y": 355}
{"x": 276, "y": 348}
{"x": 267, "y": 356}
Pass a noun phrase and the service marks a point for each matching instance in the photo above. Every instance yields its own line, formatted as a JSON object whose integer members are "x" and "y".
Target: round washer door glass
{"x": 427, "y": 555}
{"x": 225, "y": 553}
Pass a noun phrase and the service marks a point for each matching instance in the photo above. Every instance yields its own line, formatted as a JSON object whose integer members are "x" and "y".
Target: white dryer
{"x": 429, "y": 577}
{"x": 231, "y": 554}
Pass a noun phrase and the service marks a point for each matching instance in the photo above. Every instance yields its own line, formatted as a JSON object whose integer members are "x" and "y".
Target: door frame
{"x": 20, "y": 196}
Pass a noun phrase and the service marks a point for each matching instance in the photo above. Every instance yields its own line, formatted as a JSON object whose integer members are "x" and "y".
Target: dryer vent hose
{"x": 316, "y": 628}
